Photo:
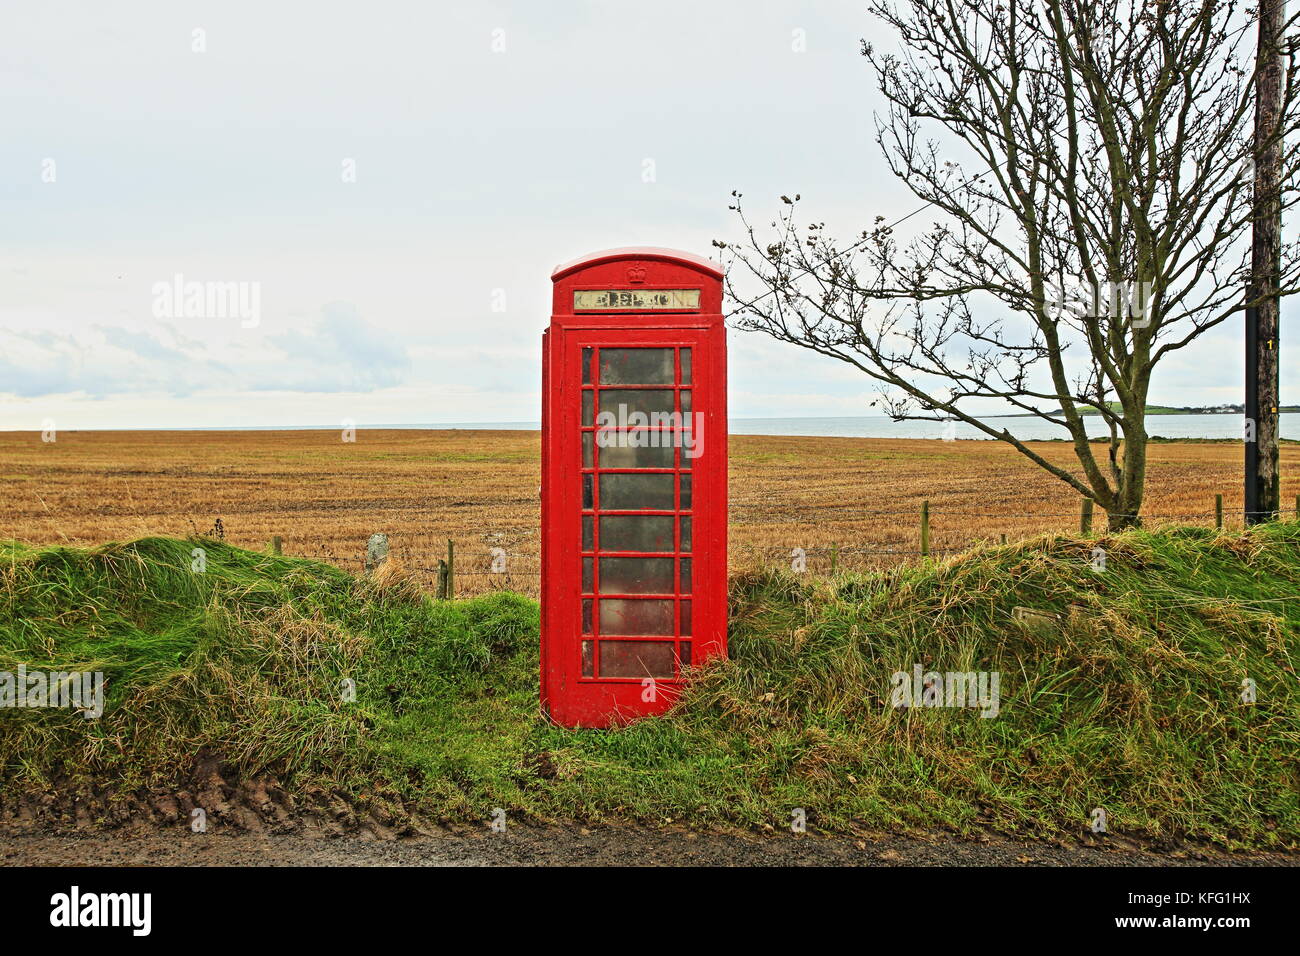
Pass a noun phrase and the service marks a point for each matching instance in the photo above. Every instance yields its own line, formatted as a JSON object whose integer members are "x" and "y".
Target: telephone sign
{"x": 640, "y": 300}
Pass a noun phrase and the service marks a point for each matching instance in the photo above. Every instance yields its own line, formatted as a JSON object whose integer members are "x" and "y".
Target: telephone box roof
{"x": 638, "y": 252}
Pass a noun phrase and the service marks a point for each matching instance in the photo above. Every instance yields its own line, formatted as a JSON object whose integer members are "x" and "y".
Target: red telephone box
{"x": 634, "y": 483}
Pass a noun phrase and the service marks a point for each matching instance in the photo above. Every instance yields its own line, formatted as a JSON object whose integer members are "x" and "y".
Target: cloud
{"x": 336, "y": 351}
{"x": 138, "y": 343}
{"x": 38, "y": 363}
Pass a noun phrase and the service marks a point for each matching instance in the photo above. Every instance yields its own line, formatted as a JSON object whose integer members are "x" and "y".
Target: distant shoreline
{"x": 536, "y": 425}
{"x": 1163, "y": 410}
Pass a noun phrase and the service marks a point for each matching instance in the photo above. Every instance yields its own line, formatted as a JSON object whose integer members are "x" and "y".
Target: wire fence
{"x": 462, "y": 569}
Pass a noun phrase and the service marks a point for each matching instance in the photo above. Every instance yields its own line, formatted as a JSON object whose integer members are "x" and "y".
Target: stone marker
{"x": 376, "y": 551}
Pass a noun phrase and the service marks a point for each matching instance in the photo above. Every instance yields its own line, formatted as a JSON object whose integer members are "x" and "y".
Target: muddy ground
{"x": 579, "y": 846}
{"x": 258, "y": 822}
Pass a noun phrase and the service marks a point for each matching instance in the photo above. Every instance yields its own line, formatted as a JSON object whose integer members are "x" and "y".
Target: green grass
{"x": 1131, "y": 702}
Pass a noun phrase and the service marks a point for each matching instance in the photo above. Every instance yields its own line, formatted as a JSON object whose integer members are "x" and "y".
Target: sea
{"x": 879, "y": 426}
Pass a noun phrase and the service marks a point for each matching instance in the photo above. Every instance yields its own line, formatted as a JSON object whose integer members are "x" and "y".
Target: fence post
{"x": 1218, "y": 512}
{"x": 451, "y": 569}
{"x": 1004, "y": 537}
{"x": 835, "y": 556}
{"x": 442, "y": 579}
{"x": 925, "y": 528}
{"x": 1085, "y": 517}
{"x": 275, "y": 544}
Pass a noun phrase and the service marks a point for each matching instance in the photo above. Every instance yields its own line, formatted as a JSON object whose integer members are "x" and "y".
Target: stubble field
{"x": 856, "y": 499}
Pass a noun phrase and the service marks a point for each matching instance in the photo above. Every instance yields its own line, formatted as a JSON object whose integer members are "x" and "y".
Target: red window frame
{"x": 590, "y": 494}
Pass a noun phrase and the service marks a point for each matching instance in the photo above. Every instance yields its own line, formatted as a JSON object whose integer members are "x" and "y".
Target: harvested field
{"x": 324, "y": 497}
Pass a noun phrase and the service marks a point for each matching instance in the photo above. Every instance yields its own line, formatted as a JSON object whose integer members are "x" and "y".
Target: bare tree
{"x": 1090, "y": 165}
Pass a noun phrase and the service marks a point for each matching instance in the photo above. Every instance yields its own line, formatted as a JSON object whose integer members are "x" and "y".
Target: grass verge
{"x": 1129, "y": 698}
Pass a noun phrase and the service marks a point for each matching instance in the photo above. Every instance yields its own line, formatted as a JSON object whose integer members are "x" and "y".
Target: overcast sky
{"x": 385, "y": 173}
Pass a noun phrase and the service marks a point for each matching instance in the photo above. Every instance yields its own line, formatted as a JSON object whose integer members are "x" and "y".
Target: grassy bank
{"x": 1129, "y": 700}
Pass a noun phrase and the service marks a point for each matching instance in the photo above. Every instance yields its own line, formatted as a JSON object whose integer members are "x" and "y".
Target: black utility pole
{"x": 1263, "y": 305}
{"x": 1252, "y": 414}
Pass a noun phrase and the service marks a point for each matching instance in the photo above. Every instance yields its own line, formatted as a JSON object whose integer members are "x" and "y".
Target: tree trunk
{"x": 1123, "y": 517}
{"x": 1125, "y": 510}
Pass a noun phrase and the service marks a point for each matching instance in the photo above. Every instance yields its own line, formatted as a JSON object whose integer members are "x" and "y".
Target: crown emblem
{"x": 636, "y": 274}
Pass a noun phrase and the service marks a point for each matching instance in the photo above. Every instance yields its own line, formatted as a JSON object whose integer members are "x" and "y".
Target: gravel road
{"x": 560, "y": 846}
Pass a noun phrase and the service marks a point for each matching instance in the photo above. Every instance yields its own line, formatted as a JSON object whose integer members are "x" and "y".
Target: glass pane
{"x": 686, "y": 534}
{"x": 686, "y": 366}
{"x": 636, "y": 616}
{"x": 686, "y": 617}
{"x": 686, "y": 492}
{"x": 686, "y": 575}
{"x": 691, "y": 449}
{"x": 684, "y": 653}
{"x": 588, "y": 449}
{"x": 586, "y": 492}
{"x": 586, "y": 366}
{"x": 620, "y": 404}
{"x": 587, "y": 403}
{"x": 586, "y": 616}
{"x": 588, "y": 662}
{"x": 625, "y": 492}
{"x": 615, "y": 452}
{"x": 586, "y": 575}
{"x": 686, "y": 402}
{"x": 588, "y": 533}
{"x": 636, "y": 366}
{"x": 636, "y": 659}
{"x": 636, "y": 575}
{"x": 636, "y": 533}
